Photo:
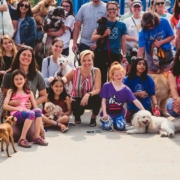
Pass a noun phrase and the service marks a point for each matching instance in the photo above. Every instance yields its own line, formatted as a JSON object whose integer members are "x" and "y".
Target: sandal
{"x": 77, "y": 120}
{"x": 40, "y": 141}
{"x": 64, "y": 129}
{"x": 42, "y": 133}
{"x": 24, "y": 143}
{"x": 92, "y": 122}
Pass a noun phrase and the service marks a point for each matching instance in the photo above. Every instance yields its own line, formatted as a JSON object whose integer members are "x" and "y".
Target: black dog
{"x": 102, "y": 26}
{"x": 55, "y": 19}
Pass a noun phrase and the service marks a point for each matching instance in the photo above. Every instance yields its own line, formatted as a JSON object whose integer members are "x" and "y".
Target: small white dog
{"x": 143, "y": 122}
{"x": 52, "y": 111}
{"x": 65, "y": 66}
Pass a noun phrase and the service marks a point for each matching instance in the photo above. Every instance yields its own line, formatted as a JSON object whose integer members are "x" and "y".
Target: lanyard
{"x": 136, "y": 26}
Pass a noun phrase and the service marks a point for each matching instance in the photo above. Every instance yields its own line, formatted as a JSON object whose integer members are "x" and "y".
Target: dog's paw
{"x": 171, "y": 135}
{"x": 163, "y": 135}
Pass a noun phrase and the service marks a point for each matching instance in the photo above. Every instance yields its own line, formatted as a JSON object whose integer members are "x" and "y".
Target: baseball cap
{"x": 136, "y": 2}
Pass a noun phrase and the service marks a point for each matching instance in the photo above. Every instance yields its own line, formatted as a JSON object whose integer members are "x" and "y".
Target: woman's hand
{"x": 106, "y": 33}
{"x": 157, "y": 44}
{"x": 142, "y": 94}
{"x": 85, "y": 99}
{"x": 28, "y": 105}
{"x": 105, "y": 117}
{"x": 176, "y": 105}
{"x": 14, "y": 103}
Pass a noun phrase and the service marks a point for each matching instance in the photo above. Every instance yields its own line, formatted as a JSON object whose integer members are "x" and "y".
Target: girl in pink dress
{"x": 20, "y": 90}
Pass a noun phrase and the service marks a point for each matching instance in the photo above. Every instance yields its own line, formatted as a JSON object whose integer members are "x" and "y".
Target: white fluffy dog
{"x": 64, "y": 68}
{"x": 52, "y": 110}
{"x": 143, "y": 122}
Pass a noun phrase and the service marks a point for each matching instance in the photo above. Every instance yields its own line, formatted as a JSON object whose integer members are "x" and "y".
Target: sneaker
{"x": 40, "y": 141}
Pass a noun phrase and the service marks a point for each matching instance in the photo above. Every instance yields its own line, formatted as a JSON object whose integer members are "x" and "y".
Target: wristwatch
{"x": 89, "y": 94}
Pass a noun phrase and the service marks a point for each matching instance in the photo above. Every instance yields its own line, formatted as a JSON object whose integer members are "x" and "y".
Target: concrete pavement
{"x": 78, "y": 155}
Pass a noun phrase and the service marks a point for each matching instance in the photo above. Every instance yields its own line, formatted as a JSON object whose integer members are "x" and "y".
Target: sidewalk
{"x": 78, "y": 155}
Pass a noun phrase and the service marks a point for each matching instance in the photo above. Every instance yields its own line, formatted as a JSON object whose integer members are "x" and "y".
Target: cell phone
{"x": 90, "y": 131}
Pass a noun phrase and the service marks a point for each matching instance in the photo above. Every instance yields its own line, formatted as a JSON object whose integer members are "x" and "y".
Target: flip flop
{"x": 64, "y": 130}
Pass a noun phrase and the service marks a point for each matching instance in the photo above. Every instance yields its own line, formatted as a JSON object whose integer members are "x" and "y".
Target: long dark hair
{"x": 71, "y": 12}
{"x": 133, "y": 72}
{"x": 26, "y": 88}
{"x": 29, "y": 12}
{"x": 149, "y": 18}
{"x": 176, "y": 10}
{"x": 176, "y": 64}
{"x": 32, "y": 70}
{"x": 62, "y": 96}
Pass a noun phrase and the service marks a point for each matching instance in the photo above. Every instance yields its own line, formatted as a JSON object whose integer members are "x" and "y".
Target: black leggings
{"x": 103, "y": 62}
{"x": 94, "y": 103}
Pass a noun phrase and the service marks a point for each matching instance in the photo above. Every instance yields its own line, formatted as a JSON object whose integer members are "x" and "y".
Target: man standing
{"x": 87, "y": 16}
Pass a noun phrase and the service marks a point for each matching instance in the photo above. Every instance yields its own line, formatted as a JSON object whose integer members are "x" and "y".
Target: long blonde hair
{"x": 3, "y": 51}
{"x": 115, "y": 66}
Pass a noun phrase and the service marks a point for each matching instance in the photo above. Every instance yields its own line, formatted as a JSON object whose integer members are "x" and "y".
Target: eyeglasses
{"x": 65, "y": 6}
{"x": 112, "y": 9}
{"x": 24, "y": 5}
{"x": 136, "y": 6}
{"x": 158, "y": 3}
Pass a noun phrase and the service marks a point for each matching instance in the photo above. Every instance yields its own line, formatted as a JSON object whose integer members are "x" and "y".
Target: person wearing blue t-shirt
{"x": 156, "y": 32}
{"x": 142, "y": 86}
{"x": 115, "y": 40}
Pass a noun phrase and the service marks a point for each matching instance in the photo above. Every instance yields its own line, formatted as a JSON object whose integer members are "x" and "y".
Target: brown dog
{"x": 6, "y": 133}
{"x": 162, "y": 92}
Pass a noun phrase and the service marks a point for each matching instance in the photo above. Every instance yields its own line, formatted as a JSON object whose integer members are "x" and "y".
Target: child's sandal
{"x": 24, "y": 143}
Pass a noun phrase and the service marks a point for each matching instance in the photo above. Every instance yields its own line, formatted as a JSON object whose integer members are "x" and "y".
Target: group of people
{"x": 130, "y": 84}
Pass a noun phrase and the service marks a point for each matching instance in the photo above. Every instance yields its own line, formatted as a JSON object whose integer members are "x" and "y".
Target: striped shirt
{"x": 81, "y": 85}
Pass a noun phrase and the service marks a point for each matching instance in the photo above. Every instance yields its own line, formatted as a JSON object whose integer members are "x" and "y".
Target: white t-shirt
{"x": 133, "y": 29}
{"x": 66, "y": 37}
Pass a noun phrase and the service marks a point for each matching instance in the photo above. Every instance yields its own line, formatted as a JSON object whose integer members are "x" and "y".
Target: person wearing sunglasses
{"x": 156, "y": 32}
{"x": 26, "y": 32}
{"x": 159, "y": 8}
{"x": 133, "y": 25}
{"x": 65, "y": 32}
{"x": 115, "y": 41}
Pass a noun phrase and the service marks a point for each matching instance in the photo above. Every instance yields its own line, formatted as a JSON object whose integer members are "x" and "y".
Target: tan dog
{"x": 43, "y": 8}
{"x": 6, "y": 133}
{"x": 162, "y": 92}
{"x": 52, "y": 110}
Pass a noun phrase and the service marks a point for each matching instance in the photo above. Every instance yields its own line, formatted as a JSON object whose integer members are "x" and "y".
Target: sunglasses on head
{"x": 158, "y": 3}
{"x": 24, "y": 5}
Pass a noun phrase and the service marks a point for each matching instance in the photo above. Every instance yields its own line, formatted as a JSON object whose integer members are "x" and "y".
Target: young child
{"x": 114, "y": 94}
{"x": 142, "y": 85}
{"x": 58, "y": 96}
{"x": 20, "y": 91}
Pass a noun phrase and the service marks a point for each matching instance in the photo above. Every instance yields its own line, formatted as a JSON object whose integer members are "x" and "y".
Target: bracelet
{"x": 89, "y": 94}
